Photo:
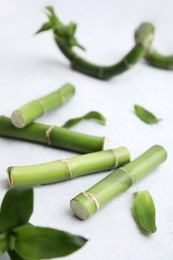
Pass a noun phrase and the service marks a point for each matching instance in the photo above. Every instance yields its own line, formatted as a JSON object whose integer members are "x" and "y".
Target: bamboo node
{"x": 129, "y": 174}
{"x": 42, "y": 105}
{"x": 127, "y": 64}
{"x": 62, "y": 97}
{"x": 48, "y": 133}
{"x": 69, "y": 167}
{"x": 149, "y": 52}
{"x": 74, "y": 60}
{"x": 100, "y": 72}
{"x": 93, "y": 198}
{"x": 170, "y": 65}
{"x": 116, "y": 158}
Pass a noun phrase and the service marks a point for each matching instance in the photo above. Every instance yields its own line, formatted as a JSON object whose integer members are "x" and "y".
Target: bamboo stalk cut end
{"x": 18, "y": 119}
{"x": 10, "y": 176}
{"x": 78, "y": 209}
{"x": 105, "y": 143}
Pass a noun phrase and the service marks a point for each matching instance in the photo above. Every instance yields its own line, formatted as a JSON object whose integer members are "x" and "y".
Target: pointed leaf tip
{"x": 33, "y": 242}
{"x": 50, "y": 8}
{"x": 45, "y": 27}
{"x": 144, "y": 211}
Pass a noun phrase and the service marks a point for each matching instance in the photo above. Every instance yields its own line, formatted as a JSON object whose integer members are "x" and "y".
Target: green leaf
{"x": 62, "y": 33}
{"x": 144, "y": 211}
{"x": 3, "y": 245}
{"x": 45, "y": 27}
{"x": 52, "y": 16}
{"x": 73, "y": 42}
{"x": 52, "y": 23}
{"x": 16, "y": 208}
{"x": 50, "y": 9}
{"x": 44, "y": 243}
{"x": 71, "y": 29}
{"x": 91, "y": 115}
{"x": 145, "y": 115}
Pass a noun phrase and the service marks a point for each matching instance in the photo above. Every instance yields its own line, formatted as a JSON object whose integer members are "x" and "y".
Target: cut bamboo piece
{"x": 53, "y": 136}
{"x": 88, "y": 203}
{"x": 25, "y": 115}
{"x": 70, "y": 168}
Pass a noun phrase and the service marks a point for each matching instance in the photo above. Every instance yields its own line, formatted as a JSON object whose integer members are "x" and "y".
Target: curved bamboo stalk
{"x": 53, "y": 136}
{"x": 69, "y": 168}
{"x": 64, "y": 36}
{"x": 88, "y": 203}
{"x": 159, "y": 60}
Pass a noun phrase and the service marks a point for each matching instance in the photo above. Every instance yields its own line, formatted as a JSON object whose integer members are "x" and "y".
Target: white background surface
{"x": 32, "y": 66}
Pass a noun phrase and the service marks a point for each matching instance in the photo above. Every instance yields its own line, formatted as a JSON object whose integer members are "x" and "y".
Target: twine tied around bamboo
{"x": 133, "y": 179}
{"x": 93, "y": 198}
{"x": 116, "y": 158}
{"x": 42, "y": 106}
{"x": 69, "y": 167}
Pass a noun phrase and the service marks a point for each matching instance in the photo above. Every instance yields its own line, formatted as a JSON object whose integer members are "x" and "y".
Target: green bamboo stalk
{"x": 66, "y": 169}
{"x": 53, "y": 136}
{"x": 26, "y": 114}
{"x": 159, "y": 60}
{"x": 64, "y": 36}
{"x": 87, "y": 203}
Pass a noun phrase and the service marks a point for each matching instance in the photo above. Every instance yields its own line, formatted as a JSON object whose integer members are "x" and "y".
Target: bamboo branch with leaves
{"x": 64, "y": 36}
{"x": 24, "y": 241}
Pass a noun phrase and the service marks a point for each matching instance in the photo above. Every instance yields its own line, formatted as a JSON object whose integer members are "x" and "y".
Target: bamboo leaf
{"x": 71, "y": 29}
{"x": 45, "y": 243}
{"x": 53, "y": 21}
{"x": 52, "y": 16}
{"x": 91, "y": 115}
{"x": 73, "y": 42}
{"x": 64, "y": 33}
{"x": 3, "y": 245}
{"x": 45, "y": 27}
{"x": 145, "y": 115}
{"x": 144, "y": 211}
{"x": 16, "y": 208}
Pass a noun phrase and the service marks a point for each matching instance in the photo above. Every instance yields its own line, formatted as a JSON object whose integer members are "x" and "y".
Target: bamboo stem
{"x": 64, "y": 36}
{"x": 28, "y": 113}
{"x": 159, "y": 60}
{"x": 70, "y": 168}
{"x": 53, "y": 136}
{"x": 87, "y": 203}
{"x": 145, "y": 37}
{"x": 103, "y": 72}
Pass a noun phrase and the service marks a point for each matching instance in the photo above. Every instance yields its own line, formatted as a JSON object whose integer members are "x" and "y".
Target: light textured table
{"x": 32, "y": 66}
